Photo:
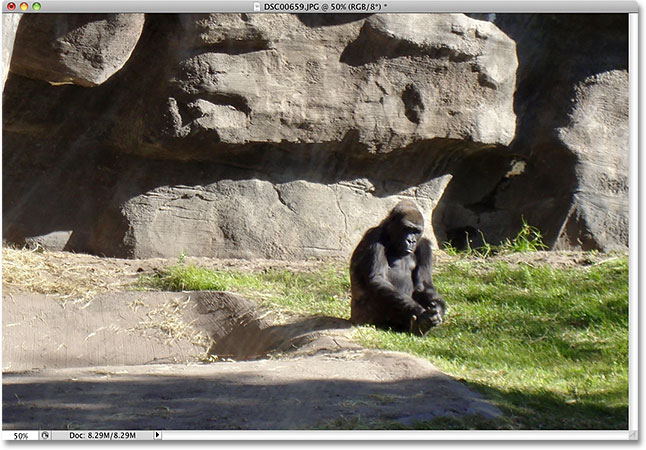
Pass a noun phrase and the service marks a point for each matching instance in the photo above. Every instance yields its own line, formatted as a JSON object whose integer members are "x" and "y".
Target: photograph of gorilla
{"x": 390, "y": 275}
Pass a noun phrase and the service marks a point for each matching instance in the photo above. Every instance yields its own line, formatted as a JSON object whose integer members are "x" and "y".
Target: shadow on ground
{"x": 292, "y": 394}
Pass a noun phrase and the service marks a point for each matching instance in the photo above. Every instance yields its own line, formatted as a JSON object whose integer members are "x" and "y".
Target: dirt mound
{"x": 241, "y": 332}
{"x": 129, "y": 360}
{"x": 129, "y": 328}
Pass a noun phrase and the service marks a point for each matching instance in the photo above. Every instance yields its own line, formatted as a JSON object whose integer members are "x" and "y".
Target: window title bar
{"x": 306, "y": 6}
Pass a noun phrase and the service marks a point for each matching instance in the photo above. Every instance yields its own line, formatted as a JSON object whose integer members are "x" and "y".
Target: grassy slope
{"x": 548, "y": 346}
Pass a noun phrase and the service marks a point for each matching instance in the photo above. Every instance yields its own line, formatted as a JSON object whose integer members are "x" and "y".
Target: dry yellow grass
{"x": 58, "y": 273}
{"x": 77, "y": 279}
{"x": 169, "y": 320}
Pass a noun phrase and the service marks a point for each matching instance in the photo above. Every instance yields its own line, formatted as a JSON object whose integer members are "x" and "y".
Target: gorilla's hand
{"x": 427, "y": 320}
{"x": 437, "y": 307}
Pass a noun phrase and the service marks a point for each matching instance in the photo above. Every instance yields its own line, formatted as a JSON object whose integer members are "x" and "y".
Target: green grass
{"x": 309, "y": 293}
{"x": 549, "y": 346}
{"x": 528, "y": 239}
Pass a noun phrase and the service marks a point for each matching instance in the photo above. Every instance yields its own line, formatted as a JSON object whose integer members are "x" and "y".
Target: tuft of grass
{"x": 181, "y": 277}
{"x": 450, "y": 249}
{"x": 528, "y": 239}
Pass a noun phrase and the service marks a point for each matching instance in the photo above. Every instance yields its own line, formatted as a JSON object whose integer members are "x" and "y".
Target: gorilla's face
{"x": 404, "y": 235}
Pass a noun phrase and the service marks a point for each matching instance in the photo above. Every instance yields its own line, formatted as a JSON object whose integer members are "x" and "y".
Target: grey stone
{"x": 385, "y": 83}
{"x": 598, "y": 135}
{"x": 272, "y": 78}
{"x": 258, "y": 219}
{"x": 571, "y": 141}
{"x": 9, "y": 27}
{"x": 82, "y": 49}
{"x": 55, "y": 239}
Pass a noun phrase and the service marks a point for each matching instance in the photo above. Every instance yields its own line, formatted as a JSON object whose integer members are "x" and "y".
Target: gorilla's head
{"x": 404, "y": 227}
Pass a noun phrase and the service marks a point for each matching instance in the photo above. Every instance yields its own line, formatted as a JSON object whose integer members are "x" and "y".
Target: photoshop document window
{"x": 319, "y": 220}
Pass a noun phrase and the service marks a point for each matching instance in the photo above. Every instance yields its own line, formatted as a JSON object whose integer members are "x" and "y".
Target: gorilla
{"x": 390, "y": 275}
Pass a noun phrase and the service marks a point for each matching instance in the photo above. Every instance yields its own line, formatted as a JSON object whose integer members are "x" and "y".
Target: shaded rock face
{"x": 279, "y": 136}
{"x": 566, "y": 170}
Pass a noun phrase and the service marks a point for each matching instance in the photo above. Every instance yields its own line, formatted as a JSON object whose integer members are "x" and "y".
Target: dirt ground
{"x": 81, "y": 350}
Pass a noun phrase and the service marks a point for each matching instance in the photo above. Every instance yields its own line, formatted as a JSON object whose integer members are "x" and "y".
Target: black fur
{"x": 390, "y": 275}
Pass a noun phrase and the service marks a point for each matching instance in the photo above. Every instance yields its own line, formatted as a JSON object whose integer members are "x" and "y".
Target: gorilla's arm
{"x": 425, "y": 293}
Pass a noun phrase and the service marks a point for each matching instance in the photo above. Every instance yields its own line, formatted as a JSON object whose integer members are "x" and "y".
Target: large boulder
{"x": 385, "y": 82}
{"x": 390, "y": 79}
{"x": 254, "y": 218}
{"x": 82, "y": 49}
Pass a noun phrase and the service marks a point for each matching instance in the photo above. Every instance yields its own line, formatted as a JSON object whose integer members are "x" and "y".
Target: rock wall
{"x": 566, "y": 170}
{"x": 282, "y": 136}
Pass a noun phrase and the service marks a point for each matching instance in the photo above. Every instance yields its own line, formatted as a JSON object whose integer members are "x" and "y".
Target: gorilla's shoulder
{"x": 424, "y": 242}
{"x": 370, "y": 243}
{"x": 374, "y": 234}
{"x": 424, "y": 247}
